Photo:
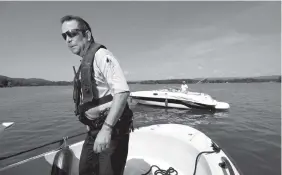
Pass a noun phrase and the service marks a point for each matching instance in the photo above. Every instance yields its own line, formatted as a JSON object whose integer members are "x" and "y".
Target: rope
{"x": 171, "y": 170}
{"x": 22, "y": 152}
{"x": 162, "y": 172}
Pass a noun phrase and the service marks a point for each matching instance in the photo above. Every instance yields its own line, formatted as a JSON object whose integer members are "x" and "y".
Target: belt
{"x": 123, "y": 125}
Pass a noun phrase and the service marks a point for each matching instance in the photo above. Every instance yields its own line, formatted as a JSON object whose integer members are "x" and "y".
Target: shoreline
{"x": 6, "y": 82}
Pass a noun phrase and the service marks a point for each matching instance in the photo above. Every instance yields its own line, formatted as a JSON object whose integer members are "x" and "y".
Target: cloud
{"x": 170, "y": 77}
{"x": 186, "y": 47}
{"x": 264, "y": 18}
{"x": 257, "y": 74}
{"x": 218, "y": 72}
{"x": 126, "y": 72}
{"x": 192, "y": 56}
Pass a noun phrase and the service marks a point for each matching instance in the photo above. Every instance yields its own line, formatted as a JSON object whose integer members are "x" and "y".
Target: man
{"x": 102, "y": 106}
{"x": 184, "y": 87}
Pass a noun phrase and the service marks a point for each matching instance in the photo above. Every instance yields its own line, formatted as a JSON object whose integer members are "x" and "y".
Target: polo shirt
{"x": 109, "y": 79}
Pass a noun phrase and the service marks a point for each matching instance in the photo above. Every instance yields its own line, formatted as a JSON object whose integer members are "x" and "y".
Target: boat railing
{"x": 61, "y": 141}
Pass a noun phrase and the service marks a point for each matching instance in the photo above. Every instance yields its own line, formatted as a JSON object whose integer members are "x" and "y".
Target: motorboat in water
{"x": 174, "y": 98}
{"x": 168, "y": 148}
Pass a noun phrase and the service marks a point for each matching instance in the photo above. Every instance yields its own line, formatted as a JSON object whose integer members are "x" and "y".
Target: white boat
{"x": 177, "y": 149}
{"x": 174, "y": 98}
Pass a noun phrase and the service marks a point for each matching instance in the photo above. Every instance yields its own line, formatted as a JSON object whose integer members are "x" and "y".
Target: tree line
{"x": 212, "y": 80}
{"x": 11, "y": 82}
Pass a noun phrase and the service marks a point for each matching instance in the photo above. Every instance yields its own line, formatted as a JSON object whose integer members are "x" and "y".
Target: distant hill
{"x": 260, "y": 79}
{"x": 8, "y": 81}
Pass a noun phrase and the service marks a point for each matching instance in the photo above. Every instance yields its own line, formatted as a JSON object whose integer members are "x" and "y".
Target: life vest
{"x": 89, "y": 91}
{"x": 87, "y": 86}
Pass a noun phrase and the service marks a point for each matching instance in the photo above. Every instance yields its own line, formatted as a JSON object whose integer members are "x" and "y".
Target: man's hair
{"x": 82, "y": 24}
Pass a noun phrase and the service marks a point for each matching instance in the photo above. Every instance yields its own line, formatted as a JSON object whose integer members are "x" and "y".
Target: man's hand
{"x": 103, "y": 139}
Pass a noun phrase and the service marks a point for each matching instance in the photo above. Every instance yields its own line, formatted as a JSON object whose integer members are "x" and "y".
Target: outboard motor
{"x": 62, "y": 161}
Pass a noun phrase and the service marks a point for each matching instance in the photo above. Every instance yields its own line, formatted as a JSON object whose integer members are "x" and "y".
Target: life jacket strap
{"x": 94, "y": 103}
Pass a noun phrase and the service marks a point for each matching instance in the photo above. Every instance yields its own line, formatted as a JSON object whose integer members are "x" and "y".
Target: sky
{"x": 151, "y": 40}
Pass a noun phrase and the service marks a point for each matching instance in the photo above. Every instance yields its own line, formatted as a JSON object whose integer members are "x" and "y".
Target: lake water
{"x": 250, "y": 132}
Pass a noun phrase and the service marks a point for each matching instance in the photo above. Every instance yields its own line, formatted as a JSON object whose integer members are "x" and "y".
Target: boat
{"x": 169, "y": 149}
{"x": 174, "y": 98}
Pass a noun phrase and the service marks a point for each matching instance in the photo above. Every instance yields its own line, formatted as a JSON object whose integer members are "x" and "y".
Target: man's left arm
{"x": 113, "y": 74}
{"x": 115, "y": 78}
{"x": 118, "y": 105}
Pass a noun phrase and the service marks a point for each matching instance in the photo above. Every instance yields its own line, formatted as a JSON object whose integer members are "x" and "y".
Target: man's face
{"x": 73, "y": 36}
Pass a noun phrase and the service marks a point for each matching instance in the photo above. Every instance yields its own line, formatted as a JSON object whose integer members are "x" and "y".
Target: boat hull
{"x": 178, "y": 100}
{"x": 165, "y": 145}
{"x": 161, "y": 103}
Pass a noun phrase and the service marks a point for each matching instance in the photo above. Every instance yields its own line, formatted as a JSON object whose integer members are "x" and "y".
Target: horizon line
{"x": 158, "y": 79}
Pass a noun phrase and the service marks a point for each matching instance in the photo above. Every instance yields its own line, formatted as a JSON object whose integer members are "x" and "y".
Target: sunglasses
{"x": 71, "y": 33}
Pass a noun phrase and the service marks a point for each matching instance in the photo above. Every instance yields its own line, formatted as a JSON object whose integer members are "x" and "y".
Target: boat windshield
{"x": 204, "y": 95}
{"x": 169, "y": 90}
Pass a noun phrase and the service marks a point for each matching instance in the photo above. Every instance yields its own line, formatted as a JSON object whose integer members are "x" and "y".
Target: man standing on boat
{"x": 184, "y": 87}
{"x": 100, "y": 94}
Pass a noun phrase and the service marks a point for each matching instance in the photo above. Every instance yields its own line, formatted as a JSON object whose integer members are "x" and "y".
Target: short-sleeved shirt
{"x": 184, "y": 87}
{"x": 109, "y": 78}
